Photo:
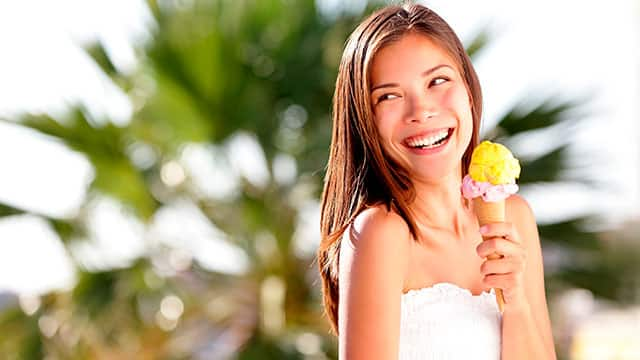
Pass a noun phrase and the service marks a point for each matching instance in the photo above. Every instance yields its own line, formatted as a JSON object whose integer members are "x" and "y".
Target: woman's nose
{"x": 420, "y": 110}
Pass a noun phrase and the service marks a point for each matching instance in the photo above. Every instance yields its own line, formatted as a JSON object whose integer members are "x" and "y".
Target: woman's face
{"x": 421, "y": 107}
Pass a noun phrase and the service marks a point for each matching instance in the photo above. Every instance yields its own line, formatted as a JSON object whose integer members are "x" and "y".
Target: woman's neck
{"x": 441, "y": 205}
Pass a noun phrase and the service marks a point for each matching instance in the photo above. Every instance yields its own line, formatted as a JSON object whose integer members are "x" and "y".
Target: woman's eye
{"x": 444, "y": 79}
{"x": 385, "y": 97}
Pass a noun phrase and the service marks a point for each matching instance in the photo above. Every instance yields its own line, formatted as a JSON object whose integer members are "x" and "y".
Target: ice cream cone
{"x": 492, "y": 175}
{"x": 489, "y": 212}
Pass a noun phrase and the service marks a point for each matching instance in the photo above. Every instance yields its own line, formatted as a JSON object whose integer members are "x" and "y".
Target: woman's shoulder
{"x": 519, "y": 213}
{"x": 379, "y": 224}
{"x": 379, "y": 238}
{"x": 518, "y": 210}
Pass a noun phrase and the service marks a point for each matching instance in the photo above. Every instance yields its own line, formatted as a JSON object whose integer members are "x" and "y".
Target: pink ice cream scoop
{"x": 489, "y": 192}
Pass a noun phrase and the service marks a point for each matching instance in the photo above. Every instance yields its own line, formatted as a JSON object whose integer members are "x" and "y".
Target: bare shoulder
{"x": 373, "y": 264}
{"x": 518, "y": 206}
{"x": 519, "y": 212}
{"x": 376, "y": 226}
{"x": 378, "y": 244}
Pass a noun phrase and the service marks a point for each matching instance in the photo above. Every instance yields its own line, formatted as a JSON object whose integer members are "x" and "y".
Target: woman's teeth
{"x": 428, "y": 141}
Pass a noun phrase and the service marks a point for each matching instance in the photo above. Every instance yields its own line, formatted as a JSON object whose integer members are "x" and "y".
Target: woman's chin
{"x": 435, "y": 174}
{"x": 431, "y": 177}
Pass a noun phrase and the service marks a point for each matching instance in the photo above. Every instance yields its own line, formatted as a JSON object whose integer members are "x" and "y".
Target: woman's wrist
{"x": 517, "y": 308}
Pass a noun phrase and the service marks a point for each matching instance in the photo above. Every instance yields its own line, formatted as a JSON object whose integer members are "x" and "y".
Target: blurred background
{"x": 162, "y": 161}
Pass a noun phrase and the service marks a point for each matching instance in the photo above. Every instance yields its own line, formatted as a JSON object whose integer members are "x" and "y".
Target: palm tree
{"x": 214, "y": 75}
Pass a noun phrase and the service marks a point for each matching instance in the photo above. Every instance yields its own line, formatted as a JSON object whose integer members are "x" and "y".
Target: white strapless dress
{"x": 447, "y": 322}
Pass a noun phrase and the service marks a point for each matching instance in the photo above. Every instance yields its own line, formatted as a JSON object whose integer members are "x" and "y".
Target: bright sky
{"x": 561, "y": 48}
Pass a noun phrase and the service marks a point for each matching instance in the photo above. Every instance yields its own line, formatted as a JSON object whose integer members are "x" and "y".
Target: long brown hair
{"x": 358, "y": 174}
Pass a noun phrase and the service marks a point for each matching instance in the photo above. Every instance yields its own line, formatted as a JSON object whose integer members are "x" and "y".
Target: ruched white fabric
{"x": 447, "y": 322}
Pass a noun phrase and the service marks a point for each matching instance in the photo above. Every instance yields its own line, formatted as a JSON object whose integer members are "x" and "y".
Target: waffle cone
{"x": 489, "y": 212}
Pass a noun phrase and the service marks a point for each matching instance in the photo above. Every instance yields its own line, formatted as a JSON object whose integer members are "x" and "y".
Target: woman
{"x": 402, "y": 260}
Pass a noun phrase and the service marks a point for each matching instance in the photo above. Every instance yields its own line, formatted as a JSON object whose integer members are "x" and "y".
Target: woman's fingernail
{"x": 483, "y": 229}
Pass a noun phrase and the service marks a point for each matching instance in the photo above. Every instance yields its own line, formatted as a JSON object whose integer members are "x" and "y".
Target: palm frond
{"x": 478, "y": 43}
{"x": 551, "y": 111}
{"x": 571, "y": 234}
{"x": 7, "y": 210}
{"x": 105, "y": 146}
{"x": 546, "y": 168}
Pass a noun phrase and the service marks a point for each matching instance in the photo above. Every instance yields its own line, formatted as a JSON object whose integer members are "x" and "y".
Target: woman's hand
{"x": 506, "y": 272}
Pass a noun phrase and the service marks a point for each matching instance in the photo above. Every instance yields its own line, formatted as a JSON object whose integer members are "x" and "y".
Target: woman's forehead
{"x": 412, "y": 53}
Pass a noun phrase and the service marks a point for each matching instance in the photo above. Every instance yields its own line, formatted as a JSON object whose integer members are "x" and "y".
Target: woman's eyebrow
{"x": 425, "y": 73}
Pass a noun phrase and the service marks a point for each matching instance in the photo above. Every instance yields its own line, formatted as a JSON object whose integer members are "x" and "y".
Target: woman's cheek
{"x": 385, "y": 121}
{"x": 382, "y": 124}
{"x": 464, "y": 99}
{"x": 452, "y": 98}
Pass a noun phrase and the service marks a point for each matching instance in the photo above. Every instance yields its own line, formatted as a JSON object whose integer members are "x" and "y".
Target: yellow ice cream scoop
{"x": 494, "y": 163}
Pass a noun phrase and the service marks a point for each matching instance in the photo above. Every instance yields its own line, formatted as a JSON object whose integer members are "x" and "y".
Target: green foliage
{"x": 545, "y": 168}
{"x": 479, "y": 42}
{"x": 6, "y": 210}
{"x": 571, "y": 233}
{"x": 106, "y": 148}
{"x": 549, "y": 113}
{"x": 261, "y": 348}
{"x": 21, "y": 337}
{"x": 94, "y": 291}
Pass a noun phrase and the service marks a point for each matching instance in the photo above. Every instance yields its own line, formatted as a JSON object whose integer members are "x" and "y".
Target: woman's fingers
{"x": 500, "y": 229}
{"x": 501, "y": 266}
{"x": 499, "y": 246}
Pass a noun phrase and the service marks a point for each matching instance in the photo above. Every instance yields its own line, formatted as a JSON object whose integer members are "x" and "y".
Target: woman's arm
{"x": 372, "y": 269}
{"x": 526, "y": 332}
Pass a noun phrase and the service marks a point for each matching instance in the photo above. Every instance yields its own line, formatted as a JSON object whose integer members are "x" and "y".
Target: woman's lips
{"x": 424, "y": 134}
{"x": 432, "y": 150}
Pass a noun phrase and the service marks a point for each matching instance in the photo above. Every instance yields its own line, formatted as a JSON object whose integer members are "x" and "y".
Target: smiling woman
{"x": 403, "y": 272}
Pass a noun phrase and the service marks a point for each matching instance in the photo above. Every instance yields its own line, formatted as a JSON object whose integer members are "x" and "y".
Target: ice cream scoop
{"x": 493, "y": 163}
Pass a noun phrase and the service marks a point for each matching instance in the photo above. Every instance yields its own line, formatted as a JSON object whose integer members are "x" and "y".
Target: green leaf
{"x": 21, "y": 338}
{"x": 6, "y": 210}
{"x": 95, "y": 292}
{"x": 479, "y": 42}
{"x": 99, "y": 55}
{"x": 105, "y": 146}
{"x": 546, "y": 168}
{"x": 550, "y": 112}
{"x": 571, "y": 233}
{"x": 65, "y": 229}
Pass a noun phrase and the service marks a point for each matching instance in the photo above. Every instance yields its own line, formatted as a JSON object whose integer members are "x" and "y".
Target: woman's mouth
{"x": 430, "y": 141}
